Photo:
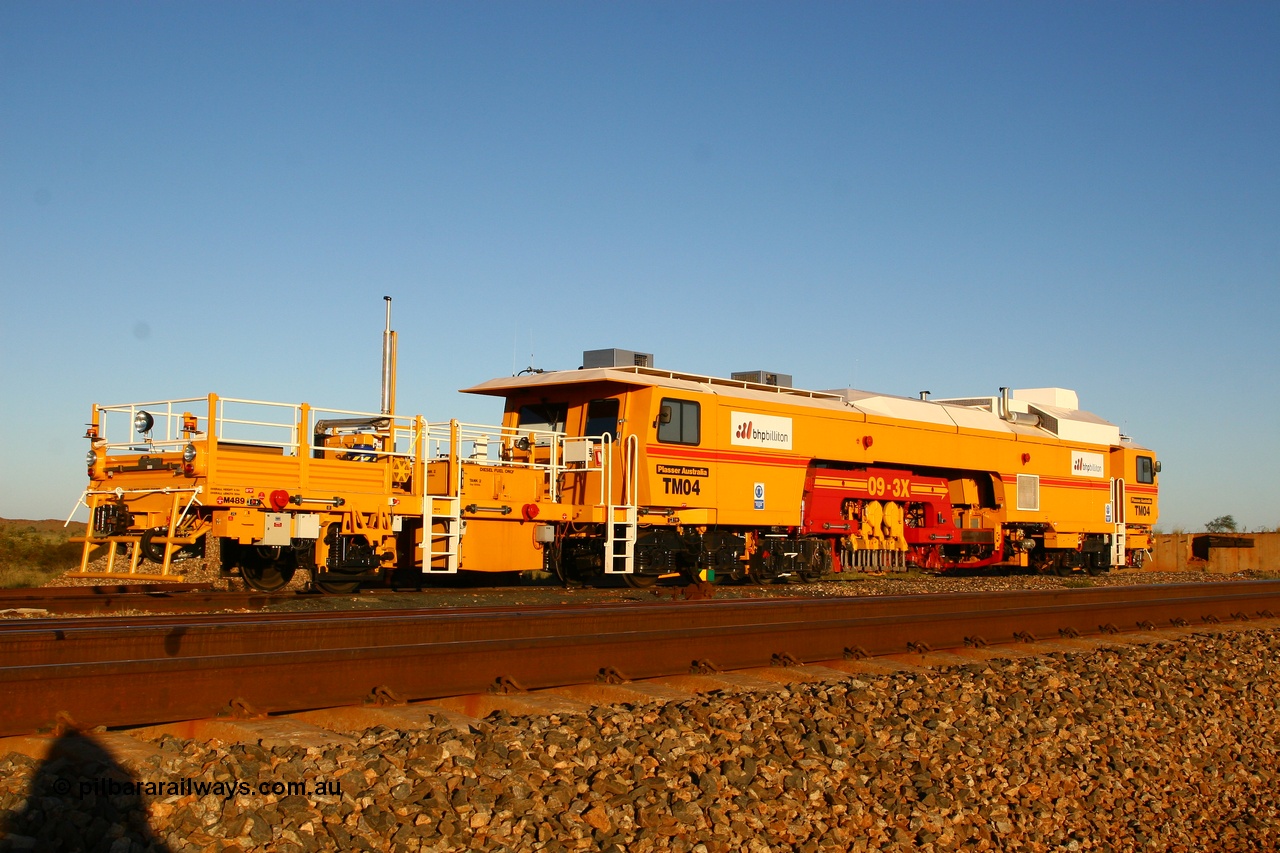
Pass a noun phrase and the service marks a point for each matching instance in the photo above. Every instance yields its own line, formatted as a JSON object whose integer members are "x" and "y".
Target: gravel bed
{"x": 1168, "y": 746}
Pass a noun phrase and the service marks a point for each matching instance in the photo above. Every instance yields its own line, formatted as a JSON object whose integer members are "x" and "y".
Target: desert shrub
{"x": 32, "y": 554}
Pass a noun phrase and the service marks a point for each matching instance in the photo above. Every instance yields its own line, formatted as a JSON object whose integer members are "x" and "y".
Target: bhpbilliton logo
{"x": 757, "y": 430}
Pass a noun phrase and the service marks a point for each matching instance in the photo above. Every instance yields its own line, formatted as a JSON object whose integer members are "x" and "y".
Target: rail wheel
{"x": 1065, "y": 564}
{"x": 267, "y": 568}
{"x": 1054, "y": 567}
{"x": 734, "y": 573}
{"x": 761, "y": 570}
{"x": 636, "y": 581}
{"x": 817, "y": 562}
{"x": 1096, "y": 566}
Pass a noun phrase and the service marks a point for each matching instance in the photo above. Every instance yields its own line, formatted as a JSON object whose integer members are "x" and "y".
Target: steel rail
{"x": 77, "y": 592}
{"x": 187, "y": 600}
{"x": 112, "y": 599}
{"x": 47, "y": 641}
{"x": 157, "y": 669}
{"x": 149, "y": 598}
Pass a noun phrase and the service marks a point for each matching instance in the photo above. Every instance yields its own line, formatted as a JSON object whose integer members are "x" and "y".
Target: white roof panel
{"x": 1066, "y": 422}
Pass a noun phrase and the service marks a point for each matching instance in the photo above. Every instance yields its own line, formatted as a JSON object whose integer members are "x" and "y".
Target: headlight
{"x": 143, "y": 422}
{"x": 91, "y": 458}
{"x": 189, "y": 454}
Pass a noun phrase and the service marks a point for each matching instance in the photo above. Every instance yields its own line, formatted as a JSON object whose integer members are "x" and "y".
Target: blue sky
{"x": 890, "y": 196}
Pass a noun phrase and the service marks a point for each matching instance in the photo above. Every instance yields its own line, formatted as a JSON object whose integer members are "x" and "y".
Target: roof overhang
{"x": 506, "y": 386}
{"x": 650, "y": 377}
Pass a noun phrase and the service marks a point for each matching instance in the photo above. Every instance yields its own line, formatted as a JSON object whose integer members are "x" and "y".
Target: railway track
{"x": 153, "y": 669}
{"x": 129, "y": 598}
{"x": 146, "y": 598}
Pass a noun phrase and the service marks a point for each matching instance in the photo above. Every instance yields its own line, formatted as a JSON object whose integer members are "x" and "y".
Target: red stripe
{"x": 780, "y": 461}
{"x": 730, "y": 456}
{"x": 1085, "y": 486}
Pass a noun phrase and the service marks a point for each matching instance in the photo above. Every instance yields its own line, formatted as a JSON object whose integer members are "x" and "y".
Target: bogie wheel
{"x": 332, "y": 535}
{"x": 814, "y": 572}
{"x": 635, "y": 581}
{"x": 760, "y": 571}
{"x": 267, "y": 568}
{"x": 817, "y": 562}
{"x": 730, "y": 576}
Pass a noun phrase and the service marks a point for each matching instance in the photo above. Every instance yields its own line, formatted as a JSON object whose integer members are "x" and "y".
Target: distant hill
{"x": 48, "y": 525}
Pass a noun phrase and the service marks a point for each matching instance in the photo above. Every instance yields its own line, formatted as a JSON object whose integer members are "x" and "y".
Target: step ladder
{"x": 1118, "y": 539}
{"x": 448, "y": 512}
{"x": 620, "y": 540}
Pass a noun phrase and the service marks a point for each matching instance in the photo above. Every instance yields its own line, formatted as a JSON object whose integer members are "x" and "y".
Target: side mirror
{"x": 664, "y": 415}
{"x": 1158, "y": 467}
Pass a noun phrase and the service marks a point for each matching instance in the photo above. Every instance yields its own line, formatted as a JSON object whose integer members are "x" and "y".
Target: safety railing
{"x": 630, "y": 451}
{"x": 258, "y": 423}
{"x": 118, "y": 426}
{"x": 543, "y": 450}
{"x": 168, "y": 425}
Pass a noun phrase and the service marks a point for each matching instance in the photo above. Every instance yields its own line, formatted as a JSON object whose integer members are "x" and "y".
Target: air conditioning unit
{"x": 616, "y": 358}
{"x": 763, "y": 377}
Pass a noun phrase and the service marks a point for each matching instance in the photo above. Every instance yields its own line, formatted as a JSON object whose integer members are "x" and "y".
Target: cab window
{"x": 679, "y": 421}
{"x": 602, "y": 419}
{"x": 1146, "y": 470}
{"x": 543, "y": 417}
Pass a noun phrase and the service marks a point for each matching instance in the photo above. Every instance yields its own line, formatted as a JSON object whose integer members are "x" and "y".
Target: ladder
{"x": 1118, "y": 539}
{"x": 620, "y": 533}
{"x": 620, "y": 539}
{"x": 448, "y": 512}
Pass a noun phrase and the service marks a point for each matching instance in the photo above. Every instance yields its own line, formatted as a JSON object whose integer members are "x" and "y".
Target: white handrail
{"x": 235, "y": 422}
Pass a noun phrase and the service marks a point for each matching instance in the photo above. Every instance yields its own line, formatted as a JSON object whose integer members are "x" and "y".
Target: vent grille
{"x": 1029, "y": 492}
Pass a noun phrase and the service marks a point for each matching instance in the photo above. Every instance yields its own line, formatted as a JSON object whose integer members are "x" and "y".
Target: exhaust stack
{"x": 388, "y": 365}
{"x": 1023, "y": 418}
